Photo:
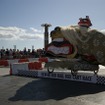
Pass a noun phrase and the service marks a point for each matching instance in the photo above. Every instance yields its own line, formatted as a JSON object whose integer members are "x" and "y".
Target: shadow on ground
{"x": 44, "y": 89}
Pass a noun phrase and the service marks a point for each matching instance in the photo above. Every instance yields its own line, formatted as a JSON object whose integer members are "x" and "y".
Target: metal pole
{"x": 46, "y": 34}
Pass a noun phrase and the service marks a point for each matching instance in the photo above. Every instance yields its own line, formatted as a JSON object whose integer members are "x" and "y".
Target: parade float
{"x": 78, "y": 47}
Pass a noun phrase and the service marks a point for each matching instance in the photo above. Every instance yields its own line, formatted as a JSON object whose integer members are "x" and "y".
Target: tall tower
{"x": 46, "y": 34}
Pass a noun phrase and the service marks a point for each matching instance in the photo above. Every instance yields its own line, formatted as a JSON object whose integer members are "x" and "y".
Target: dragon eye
{"x": 57, "y": 28}
{"x": 52, "y": 33}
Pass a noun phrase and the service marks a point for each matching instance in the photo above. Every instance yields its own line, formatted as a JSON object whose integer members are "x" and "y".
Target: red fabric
{"x": 90, "y": 58}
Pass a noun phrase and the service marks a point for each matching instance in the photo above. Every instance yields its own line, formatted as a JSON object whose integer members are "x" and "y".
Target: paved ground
{"x": 4, "y": 71}
{"x": 15, "y": 90}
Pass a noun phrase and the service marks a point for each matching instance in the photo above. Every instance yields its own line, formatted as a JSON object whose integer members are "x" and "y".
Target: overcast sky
{"x": 20, "y": 20}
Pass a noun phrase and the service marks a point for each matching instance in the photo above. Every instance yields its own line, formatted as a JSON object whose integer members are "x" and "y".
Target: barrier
{"x": 23, "y": 60}
{"x": 1, "y": 62}
{"x": 87, "y": 78}
{"x": 4, "y": 63}
{"x": 27, "y": 66}
{"x": 43, "y": 59}
{"x": 18, "y": 66}
{"x": 33, "y": 59}
{"x": 38, "y": 65}
{"x": 35, "y": 65}
{"x": 9, "y": 62}
{"x": 28, "y": 69}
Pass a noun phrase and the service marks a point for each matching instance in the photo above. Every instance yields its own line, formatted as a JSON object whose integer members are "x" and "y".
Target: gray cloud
{"x": 103, "y": 31}
{"x": 5, "y": 36}
{"x": 16, "y": 33}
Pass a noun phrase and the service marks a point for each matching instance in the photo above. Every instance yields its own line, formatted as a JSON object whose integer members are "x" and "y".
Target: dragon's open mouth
{"x": 58, "y": 50}
{"x": 59, "y": 46}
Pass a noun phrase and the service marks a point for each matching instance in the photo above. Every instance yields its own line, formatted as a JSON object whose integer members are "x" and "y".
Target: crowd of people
{"x": 18, "y": 54}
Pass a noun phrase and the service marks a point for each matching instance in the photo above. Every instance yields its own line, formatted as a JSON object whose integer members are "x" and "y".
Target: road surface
{"x": 17, "y": 90}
